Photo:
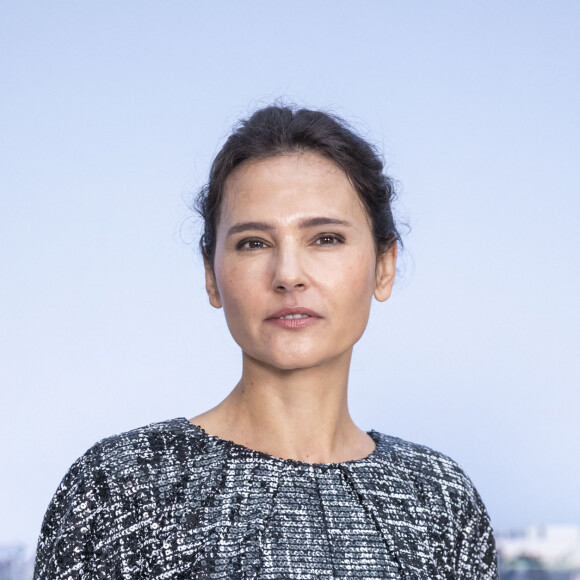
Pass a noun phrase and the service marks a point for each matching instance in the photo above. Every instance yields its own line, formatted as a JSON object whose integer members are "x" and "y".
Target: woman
{"x": 277, "y": 481}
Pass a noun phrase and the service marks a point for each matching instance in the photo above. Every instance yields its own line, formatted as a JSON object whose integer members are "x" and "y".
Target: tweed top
{"x": 170, "y": 501}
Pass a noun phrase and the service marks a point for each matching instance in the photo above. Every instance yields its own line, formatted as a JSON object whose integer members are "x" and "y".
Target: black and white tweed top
{"x": 169, "y": 501}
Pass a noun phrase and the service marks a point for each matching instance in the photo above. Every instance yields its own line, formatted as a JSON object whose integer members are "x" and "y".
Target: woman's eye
{"x": 328, "y": 240}
{"x": 250, "y": 245}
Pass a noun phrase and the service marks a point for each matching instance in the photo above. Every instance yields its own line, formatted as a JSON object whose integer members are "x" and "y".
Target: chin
{"x": 288, "y": 361}
{"x": 285, "y": 363}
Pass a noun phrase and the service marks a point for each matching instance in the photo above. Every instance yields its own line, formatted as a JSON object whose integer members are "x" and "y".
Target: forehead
{"x": 287, "y": 186}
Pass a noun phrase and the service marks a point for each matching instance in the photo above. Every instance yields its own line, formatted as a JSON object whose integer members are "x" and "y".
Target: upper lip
{"x": 293, "y": 310}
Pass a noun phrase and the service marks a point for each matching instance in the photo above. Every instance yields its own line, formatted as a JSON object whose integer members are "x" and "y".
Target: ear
{"x": 211, "y": 286}
{"x": 385, "y": 273}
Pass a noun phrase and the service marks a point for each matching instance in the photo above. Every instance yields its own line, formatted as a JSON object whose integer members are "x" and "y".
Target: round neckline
{"x": 254, "y": 453}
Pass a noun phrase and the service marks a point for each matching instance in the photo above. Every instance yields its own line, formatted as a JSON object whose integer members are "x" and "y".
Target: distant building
{"x": 15, "y": 564}
{"x": 550, "y": 552}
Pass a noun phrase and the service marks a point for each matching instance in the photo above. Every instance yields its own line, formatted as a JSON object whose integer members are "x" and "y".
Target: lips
{"x": 294, "y": 318}
{"x": 295, "y": 313}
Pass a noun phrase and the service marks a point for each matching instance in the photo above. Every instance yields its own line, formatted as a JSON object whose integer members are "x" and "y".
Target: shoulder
{"x": 152, "y": 436}
{"x": 119, "y": 473}
{"x": 114, "y": 468}
{"x": 427, "y": 466}
{"x": 443, "y": 489}
{"x": 136, "y": 454}
{"x": 438, "y": 482}
{"x": 140, "y": 450}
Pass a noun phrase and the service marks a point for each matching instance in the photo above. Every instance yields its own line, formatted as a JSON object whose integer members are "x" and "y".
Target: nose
{"x": 289, "y": 274}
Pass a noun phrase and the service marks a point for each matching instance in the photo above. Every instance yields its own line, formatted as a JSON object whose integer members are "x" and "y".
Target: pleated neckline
{"x": 243, "y": 451}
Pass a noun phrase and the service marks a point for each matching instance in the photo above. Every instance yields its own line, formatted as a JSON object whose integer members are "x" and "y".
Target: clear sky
{"x": 110, "y": 113}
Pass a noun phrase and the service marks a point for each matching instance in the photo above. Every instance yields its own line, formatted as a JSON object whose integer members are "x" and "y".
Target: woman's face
{"x": 295, "y": 266}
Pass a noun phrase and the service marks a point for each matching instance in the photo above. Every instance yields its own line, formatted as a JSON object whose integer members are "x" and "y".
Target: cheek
{"x": 238, "y": 292}
{"x": 353, "y": 282}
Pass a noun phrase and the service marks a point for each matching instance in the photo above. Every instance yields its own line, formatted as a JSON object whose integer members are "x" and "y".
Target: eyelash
{"x": 243, "y": 244}
{"x": 240, "y": 245}
{"x": 335, "y": 237}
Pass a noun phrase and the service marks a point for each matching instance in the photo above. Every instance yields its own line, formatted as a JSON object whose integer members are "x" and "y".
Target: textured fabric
{"x": 169, "y": 501}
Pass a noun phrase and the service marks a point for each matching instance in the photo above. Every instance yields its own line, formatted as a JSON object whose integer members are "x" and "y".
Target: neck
{"x": 300, "y": 414}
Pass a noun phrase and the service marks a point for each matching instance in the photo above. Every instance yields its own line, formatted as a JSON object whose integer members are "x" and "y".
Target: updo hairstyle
{"x": 279, "y": 130}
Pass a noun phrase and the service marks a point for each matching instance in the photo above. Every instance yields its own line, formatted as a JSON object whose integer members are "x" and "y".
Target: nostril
{"x": 288, "y": 285}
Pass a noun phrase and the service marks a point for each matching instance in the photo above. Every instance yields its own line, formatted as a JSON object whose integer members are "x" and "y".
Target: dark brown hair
{"x": 278, "y": 130}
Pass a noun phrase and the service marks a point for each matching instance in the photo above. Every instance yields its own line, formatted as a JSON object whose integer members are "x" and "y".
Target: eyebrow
{"x": 302, "y": 224}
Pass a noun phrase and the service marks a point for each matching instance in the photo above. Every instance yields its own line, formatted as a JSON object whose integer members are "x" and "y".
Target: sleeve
{"x": 65, "y": 547}
{"x": 475, "y": 554}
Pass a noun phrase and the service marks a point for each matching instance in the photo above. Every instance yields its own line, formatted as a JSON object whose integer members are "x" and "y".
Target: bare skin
{"x": 301, "y": 418}
{"x": 291, "y": 400}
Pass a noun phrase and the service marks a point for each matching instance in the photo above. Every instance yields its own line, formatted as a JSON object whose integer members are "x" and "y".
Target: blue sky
{"x": 110, "y": 115}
